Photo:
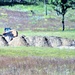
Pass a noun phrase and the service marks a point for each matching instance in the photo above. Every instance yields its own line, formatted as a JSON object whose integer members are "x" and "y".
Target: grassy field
{"x": 65, "y": 34}
{"x": 38, "y": 60}
{"x": 24, "y": 8}
{"x": 40, "y": 9}
{"x": 36, "y": 51}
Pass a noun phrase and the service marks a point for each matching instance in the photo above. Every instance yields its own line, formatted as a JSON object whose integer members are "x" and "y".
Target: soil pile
{"x": 18, "y": 41}
{"x": 38, "y": 41}
{"x": 3, "y": 42}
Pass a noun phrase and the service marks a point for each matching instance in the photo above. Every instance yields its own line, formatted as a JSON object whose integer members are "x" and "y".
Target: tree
{"x": 45, "y": 7}
{"x": 61, "y": 6}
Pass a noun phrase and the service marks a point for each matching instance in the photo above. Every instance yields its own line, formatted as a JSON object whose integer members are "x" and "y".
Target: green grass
{"x": 36, "y": 51}
{"x": 25, "y": 8}
{"x": 65, "y": 34}
{"x": 38, "y": 9}
{"x": 1, "y": 30}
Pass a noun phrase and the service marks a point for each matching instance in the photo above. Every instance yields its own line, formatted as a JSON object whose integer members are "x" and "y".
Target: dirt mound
{"x": 66, "y": 42}
{"x": 59, "y": 41}
{"x": 54, "y": 41}
{"x": 3, "y": 42}
{"x": 18, "y": 41}
{"x": 49, "y": 41}
{"x": 39, "y": 41}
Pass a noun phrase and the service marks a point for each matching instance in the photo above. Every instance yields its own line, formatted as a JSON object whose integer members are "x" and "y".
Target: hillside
{"x": 26, "y": 20}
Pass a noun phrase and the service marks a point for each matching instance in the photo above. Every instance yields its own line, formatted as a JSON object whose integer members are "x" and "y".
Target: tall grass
{"x": 37, "y": 66}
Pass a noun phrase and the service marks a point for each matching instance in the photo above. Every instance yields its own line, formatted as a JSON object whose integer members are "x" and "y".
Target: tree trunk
{"x": 63, "y": 25}
{"x": 45, "y": 7}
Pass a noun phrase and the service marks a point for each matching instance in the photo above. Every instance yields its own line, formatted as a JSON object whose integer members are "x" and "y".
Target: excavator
{"x": 9, "y": 34}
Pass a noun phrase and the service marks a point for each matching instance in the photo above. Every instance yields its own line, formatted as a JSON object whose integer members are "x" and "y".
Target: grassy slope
{"x": 36, "y": 51}
{"x": 50, "y": 22}
{"x": 40, "y": 9}
{"x": 23, "y": 8}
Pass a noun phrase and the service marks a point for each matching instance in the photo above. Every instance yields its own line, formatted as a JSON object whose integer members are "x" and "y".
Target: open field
{"x": 66, "y": 34}
{"x": 36, "y": 60}
{"x": 36, "y": 51}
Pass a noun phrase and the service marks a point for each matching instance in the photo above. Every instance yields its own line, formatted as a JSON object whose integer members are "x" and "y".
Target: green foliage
{"x": 64, "y": 1}
{"x": 61, "y": 8}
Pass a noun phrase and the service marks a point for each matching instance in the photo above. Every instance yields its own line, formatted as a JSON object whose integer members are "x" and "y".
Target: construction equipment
{"x": 9, "y": 34}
